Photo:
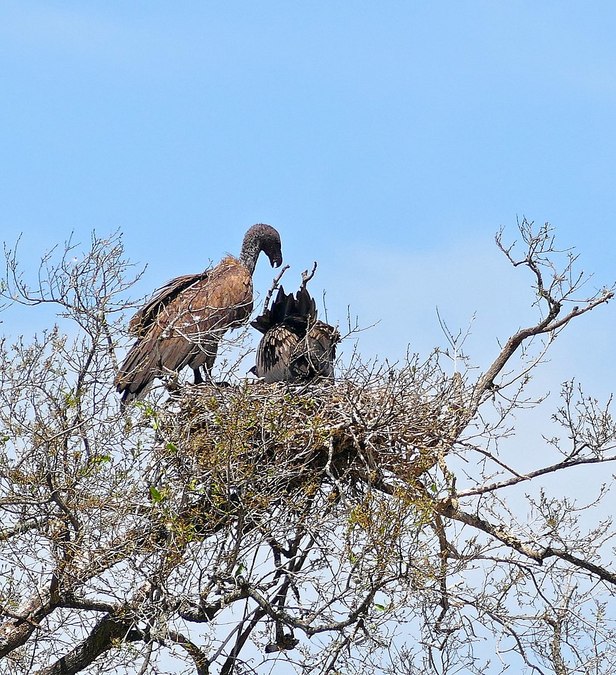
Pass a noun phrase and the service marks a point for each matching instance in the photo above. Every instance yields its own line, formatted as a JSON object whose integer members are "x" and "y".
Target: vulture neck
{"x": 250, "y": 253}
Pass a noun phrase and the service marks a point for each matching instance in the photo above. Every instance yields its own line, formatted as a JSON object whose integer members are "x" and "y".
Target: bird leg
{"x": 198, "y": 377}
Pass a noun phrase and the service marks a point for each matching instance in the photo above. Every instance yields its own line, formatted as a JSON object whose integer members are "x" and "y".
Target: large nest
{"x": 257, "y": 444}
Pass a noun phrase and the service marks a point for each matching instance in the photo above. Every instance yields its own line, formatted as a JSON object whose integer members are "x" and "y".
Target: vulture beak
{"x": 276, "y": 260}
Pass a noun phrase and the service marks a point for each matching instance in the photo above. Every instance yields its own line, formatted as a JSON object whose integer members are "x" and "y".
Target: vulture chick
{"x": 185, "y": 320}
{"x": 295, "y": 346}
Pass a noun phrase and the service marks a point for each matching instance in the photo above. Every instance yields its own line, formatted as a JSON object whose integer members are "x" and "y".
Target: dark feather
{"x": 145, "y": 317}
{"x": 295, "y": 347}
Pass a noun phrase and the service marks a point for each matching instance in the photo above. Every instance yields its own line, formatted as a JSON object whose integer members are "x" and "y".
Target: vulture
{"x": 295, "y": 346}
{"x": 185, "y": 319}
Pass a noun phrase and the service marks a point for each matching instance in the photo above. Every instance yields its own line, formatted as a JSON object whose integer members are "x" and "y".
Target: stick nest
{"x": 258, "y": 443}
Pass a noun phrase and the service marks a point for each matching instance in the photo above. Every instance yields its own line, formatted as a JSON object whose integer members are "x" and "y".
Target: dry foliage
{"x": 366, "y": 525}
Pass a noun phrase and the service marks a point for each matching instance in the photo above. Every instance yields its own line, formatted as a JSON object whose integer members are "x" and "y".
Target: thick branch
{"x": 548, "y": 325}
{"x": 100, "y": 640}
{"x": 198, "y": 657}
{"x": 24, "y": 526}
{"x": 17, "y": 631}
{"x": 230, "y": 662}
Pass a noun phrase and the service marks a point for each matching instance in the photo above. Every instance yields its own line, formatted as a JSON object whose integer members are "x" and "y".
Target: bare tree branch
{"x": 363, "y": 525}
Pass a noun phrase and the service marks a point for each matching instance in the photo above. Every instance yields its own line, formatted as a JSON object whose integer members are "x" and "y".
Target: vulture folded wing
{"x": 274, "y": 354}
{"x": 192, "y": 324}
{"x": 320, "y": 342}
{"x": 143, "y": 319}
{"x": 183, "y": 324}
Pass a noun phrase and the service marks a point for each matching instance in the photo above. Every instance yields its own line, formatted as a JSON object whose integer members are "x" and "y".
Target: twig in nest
{"x": 306, "y": 276}
{"x": 273, "y": 287}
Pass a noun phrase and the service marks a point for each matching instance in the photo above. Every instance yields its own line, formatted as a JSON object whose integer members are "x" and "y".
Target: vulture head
{"x": 259, "y": 238}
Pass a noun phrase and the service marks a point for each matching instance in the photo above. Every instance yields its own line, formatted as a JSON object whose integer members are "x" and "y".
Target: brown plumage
{"x": 295, "y": 347}
{"x": 185, "y": 320}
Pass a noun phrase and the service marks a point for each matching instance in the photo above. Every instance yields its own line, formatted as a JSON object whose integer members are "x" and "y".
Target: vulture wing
{"x": 316, "y": 353}
{"x": 145, "y": 317}
{"x": 275, "y": 355}
{"x": 182, "y": 325}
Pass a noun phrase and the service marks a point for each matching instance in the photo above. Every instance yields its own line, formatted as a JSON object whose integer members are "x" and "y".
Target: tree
{"x": 362, "y": 526}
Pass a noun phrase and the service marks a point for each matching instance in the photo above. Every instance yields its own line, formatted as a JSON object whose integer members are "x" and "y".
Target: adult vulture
{"x": 185, "y": 320}
{"x": 295, "y": 346}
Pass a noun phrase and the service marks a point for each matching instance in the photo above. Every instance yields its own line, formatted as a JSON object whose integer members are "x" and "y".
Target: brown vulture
{"x": 185, "y": 320}
{"x": 295, "y": 346}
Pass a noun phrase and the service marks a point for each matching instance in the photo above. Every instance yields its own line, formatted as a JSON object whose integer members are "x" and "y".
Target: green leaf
{"x": 156, "y": 495}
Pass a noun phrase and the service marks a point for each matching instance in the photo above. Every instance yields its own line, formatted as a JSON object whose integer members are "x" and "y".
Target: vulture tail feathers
{"x": 305, "y": 305}
{"x": 281, "y": 309}
{"x": 137, "y": 372}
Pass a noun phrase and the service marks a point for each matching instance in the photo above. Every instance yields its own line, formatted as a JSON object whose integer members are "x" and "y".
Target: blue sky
{"x": 387, "y": 140}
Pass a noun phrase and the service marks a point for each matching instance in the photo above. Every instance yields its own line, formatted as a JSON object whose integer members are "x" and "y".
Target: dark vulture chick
{"x": 295, "y": 346}
{"x": 185, "y": 320}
